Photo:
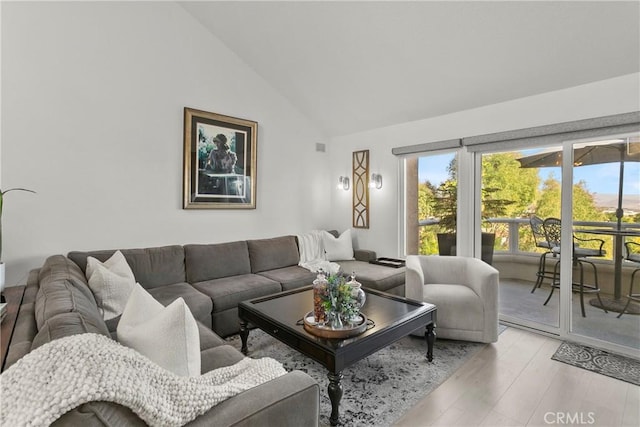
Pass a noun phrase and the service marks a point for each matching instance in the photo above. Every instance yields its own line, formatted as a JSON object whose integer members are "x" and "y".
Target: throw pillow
{"x": 166, "y": 335}
{"x": 111, "y": 283}
{"x": 340, "y": 248}
{"x": 117, "y": 263}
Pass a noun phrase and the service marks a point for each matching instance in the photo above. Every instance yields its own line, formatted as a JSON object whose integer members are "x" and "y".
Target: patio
{"x": 516, "y": 300}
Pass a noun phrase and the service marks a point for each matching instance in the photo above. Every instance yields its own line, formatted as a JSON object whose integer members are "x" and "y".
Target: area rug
{"x": 379, "y": 389}
{"x": 602, "y": 362}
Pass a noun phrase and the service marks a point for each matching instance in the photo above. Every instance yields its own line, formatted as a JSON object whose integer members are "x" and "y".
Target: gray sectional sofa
{"x": 212, "y": 279}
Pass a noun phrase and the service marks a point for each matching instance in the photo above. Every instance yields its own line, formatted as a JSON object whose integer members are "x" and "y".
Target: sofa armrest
{"x": 290, "y": 400}
{"x": 364, "y": 255}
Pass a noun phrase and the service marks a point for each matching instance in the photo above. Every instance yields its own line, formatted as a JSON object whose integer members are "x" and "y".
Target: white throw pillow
{"x": 111, "y": 283}
{"x": 166, "y": 335}
{"x": 338, "y": 249}
{"x": 117, "y": 264}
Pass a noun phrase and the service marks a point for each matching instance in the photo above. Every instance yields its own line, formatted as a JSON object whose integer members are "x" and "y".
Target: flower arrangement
{"x": 336, "y": 300}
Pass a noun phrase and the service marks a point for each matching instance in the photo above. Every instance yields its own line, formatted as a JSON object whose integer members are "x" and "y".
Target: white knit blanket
{"x": 312, "y": 254}
{"x": 67, "y": 372}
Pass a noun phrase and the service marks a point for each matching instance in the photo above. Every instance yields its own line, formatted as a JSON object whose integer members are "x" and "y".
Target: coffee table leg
{"x": 244, "y": 334}
{"x": 430, "y": 336}
{"x": 335, "y": 394}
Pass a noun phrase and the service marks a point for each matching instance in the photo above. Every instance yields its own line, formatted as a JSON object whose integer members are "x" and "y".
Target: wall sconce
{"x": 343, "y": 183}
{"x": 376, "y": 181}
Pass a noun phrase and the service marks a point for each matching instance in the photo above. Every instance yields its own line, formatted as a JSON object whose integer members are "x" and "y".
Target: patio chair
{"x": 552, "y": 227}
{"x": 633, "y": 255}
{"x": 541, "y": 242}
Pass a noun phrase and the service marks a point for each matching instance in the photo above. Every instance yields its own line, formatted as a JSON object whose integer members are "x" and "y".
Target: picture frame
{"x": 219, "y": 161}
{"x": 360, "y": 179}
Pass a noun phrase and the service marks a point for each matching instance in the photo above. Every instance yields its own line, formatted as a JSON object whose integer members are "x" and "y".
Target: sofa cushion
{"x": 220, "y": 357}
{"x": 99, "y": 414}
{"x": 269, "y": 254}
{"x": 290, "y": 277}
{"x": 66, "y": 324}
{"x": 208, "y": 338}
{"x": 207, "y": 262}
{"x": 459, "y": 307}
{"x": 166, "y": 335}
{"x": 374, "y": 276}
{"x": 199, "y": 303}
{"x": 152, "y": 267}
{"x": 227, "y": 292}
{"x": 112, "y": 324}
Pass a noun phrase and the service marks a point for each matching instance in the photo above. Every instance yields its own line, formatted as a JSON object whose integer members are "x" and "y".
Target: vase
{"x": 319, "y": 297}
{"x": 358, "y": 296}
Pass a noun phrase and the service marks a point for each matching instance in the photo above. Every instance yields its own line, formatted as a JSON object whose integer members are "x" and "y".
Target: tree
{"x": 501, "y": 171}
{"x": 584, "y": 206}
{"x": 503, "y": 179}
{"x": 427, "y": 237}
{"x": 548, "y": 203}
{"x": 507, "y": 190}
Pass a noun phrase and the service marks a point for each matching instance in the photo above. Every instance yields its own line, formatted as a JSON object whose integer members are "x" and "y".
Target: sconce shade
{"x": 343, "y": 183}
{"x": 376, "y": 181}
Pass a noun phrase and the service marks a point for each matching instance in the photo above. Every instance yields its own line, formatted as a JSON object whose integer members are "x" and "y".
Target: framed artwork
{"x": 360, "y": 189}
{"x": 219, "y": 161}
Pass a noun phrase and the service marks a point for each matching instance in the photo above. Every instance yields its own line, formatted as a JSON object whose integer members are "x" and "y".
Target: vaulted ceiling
{"x": 353, "y": 66}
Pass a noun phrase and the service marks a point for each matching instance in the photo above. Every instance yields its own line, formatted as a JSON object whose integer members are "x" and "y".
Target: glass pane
{"x": 514, "y": 191}
{"x": 606, "y": 208}
{"x": 437, "y": 203}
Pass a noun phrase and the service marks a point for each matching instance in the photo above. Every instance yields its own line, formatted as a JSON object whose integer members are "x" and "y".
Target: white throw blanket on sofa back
{"x": 312, "y": 254}
{"x": 65, "y": 373}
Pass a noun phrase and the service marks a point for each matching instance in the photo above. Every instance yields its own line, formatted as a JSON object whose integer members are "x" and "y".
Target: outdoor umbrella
{"x": 592, "y": 154}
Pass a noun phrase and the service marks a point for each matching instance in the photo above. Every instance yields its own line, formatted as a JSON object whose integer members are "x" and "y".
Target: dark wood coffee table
{"x": 280, "y": 315}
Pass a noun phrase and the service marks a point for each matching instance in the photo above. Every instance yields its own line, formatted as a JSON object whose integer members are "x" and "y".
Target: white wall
{"x": 613, "y": 96}
{"x": 92, "y": 110}
{"x": 92, "y": 100}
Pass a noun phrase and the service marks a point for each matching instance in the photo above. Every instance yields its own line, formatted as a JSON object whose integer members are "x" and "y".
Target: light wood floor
{"x": 514, "y": 382}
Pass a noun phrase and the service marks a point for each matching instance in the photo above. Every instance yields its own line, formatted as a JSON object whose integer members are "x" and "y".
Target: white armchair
{"x": 465, "y": 291}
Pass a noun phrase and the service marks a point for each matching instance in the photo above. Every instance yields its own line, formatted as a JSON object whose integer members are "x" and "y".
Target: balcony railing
{"x": 508, "y": 241}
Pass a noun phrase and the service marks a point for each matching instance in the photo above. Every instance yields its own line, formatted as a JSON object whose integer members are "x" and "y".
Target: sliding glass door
{"x": 516, "y": 197}
{"x": 561, "y": 216}
{"x": 605, "y": 217}
{"x": 554, "y": 208}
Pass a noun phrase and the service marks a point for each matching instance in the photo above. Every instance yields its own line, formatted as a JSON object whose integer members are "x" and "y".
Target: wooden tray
{"x": 328, "y": 332}
{"x": 389, "y": 262}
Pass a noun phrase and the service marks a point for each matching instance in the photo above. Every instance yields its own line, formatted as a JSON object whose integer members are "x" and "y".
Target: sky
{"x": 600, "y": 179}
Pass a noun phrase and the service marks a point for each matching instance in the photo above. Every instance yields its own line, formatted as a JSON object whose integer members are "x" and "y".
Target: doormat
{"x": 616, "y": 305}
{"x": 599, "y": 361}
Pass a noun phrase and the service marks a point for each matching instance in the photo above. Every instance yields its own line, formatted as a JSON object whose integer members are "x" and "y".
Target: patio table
{"x": 618, "y": 236}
